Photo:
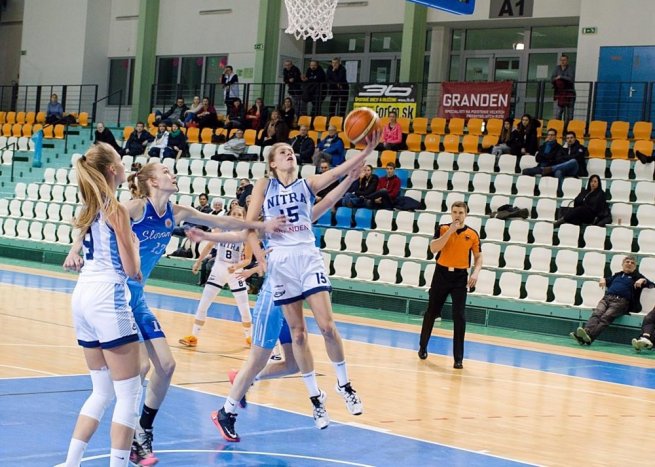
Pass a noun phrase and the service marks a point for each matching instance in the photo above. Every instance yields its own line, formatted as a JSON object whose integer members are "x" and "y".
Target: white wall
{"x": 123, "y": 20}
{"x": 635, "y": 28}
{"x": 10, "y": 41}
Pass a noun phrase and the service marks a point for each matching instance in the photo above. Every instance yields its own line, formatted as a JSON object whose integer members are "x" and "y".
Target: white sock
{"x": 196, "y": 329}
{"x": 230, "y": 405}
{"x": 243, "y": 305}
{"x": 119, "y": 458}
{"x": 76, "y": 450}
{"x": 312, "y": 385}
{"x": 247, "y": 328}
{"x": 342, "y": 372}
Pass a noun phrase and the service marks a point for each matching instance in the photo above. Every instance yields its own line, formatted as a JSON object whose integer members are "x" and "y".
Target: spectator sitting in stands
{"x": 330, "y": 148}
{"x": 257, "y": 115}
{"x": 177, "y": 142}
{"x": 303, "y": 146}
{"x": 159, "y": 146}
{"x": 288, "y": 113}
{"x": 552, "y": 160}
{"x": 645, "y": 340}
{"x": 589, "y": 207}
{"x": 324, "y": 167}
{"x": 234, "y": 117}
{"x": 137, "y": 141}
{"x": 387, "y": 190}
{"x": 622, "y": 295}
{"x": 574, "y": 150}
{"x": 218, "y": 207}
{"x": 392, "y": 135}
{"x": 104, "y": 135}
{"x": 361, "y": 189}
{"x": 190, "y": 115}
{"x": 235, "y": 148}
{"x": 55, "y": 111}
{"x": 502, "y": 146}
{"x": 244, "y": 190}
{"x": 524, "y": 139}
{"x": 276, "y": 131}
{"x": 207, "y": 118}
{"x": 174, "y": 114}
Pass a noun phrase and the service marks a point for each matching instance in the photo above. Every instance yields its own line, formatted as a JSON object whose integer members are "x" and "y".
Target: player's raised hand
{"x": 272, "y": 224}
{"x": 372, "y": 140}
{"x": 195, "y": 235}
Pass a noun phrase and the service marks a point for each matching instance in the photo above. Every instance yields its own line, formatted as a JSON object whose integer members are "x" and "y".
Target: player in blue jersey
{"x": 269, "y": 325}
{"x": 104, "y": 324}
{"x": 153, "y": 217}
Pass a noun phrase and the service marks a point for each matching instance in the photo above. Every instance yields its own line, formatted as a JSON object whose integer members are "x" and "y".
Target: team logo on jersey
{"x": 168, "y": 223}
{"x": 280, "y": 292}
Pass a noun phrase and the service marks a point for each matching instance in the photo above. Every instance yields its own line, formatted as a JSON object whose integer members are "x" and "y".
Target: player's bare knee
{"x": 329, "y": 331}
{"x": 299, "y": 336}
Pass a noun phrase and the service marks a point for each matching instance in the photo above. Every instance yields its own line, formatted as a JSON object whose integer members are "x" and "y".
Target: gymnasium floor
{"x": 517, "y": 401}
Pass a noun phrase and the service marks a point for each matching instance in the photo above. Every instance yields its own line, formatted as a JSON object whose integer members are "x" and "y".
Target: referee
{"x": 453, "y": 244}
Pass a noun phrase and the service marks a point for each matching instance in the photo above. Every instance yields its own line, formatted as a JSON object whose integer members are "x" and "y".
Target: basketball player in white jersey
{"x": 269, "y": 326}
{"x": 153, "y": 217}
{"x": 104, "y": 323}
{"x": 295, "y": 265}
{"x": 230, "y": 258}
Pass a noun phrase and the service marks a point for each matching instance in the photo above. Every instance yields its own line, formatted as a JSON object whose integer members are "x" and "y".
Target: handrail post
{"x": 66, "y": 138}
{"x": 120, "y": 103}
{"x": 589, "y": 104}
{"x": 14, "y": 145}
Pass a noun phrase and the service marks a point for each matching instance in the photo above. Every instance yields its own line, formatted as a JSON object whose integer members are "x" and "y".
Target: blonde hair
{"x": 138, "y": 181}
{"x": 238, "y": 207}
{"x": 271, "y": 155}
{"x": 97, "y": 196}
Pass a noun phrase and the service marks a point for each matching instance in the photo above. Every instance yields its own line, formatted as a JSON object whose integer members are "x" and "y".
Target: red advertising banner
{"x": 475, "y": 99}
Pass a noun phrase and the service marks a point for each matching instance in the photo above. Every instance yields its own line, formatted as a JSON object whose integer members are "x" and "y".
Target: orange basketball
{"x": 360, "y": 122}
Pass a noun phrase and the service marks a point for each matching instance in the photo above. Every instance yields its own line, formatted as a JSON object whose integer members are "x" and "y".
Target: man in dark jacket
{"x": 574, "y": 150}
{"x": 563, "y": 79}
{"x": 622, "y": 295}
{"x": 174, "y": 114}
{"x": 551, "y": 160}
{"x": 244, "y": 190}
{"x": 303, "y": 146}
{"x": 138, "y": 140}
{"x": 292, "y": 78}
{"x": 387, "y": 191}
{"x": 313, "y": 89}
{"x": 104, "y": 135}
{"x": 337, "y": 87}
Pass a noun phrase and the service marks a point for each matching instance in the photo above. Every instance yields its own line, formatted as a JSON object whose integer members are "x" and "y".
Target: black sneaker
{"x": 225, "y": 423}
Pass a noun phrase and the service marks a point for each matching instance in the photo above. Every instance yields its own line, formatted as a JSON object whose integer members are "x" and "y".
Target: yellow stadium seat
{"x": 151, "y": 120}
{"x": 313, "y": 135}
{"x": 642, "y": 130}
{"x": 11, "y": 117}
{"x": 221, "y": 131}
{"x": 597, "y": 148}
{"x": 404, "y": 123}
{"x": 619, "y": 148}
{"x": 557, "y": 125}
{"x": 388, "y": 156}
{"x": 619, "y": 129}
{"x": 83, "y": 119}
{"x": 30, "y": 117}
{"x": 320, "y": 123}
{"x": 451, "y": 143}
{"x": 294, "y": 133}
{"x": 17, "y": 130}
{"x": 346, "y": 141}
{"x": 36, "y": 127}
{"x": 59, "y": 131}
{"x": 40, "y": 117}
{"x": 475, "y": 126}
{"x": 643, "y": 146}
{"x": 337, "y": 121}
{"x": 420, "y": 125}
{"x": 494, "y": 126}
{"x": 6, "y": 129}
{"x": 3, "y": 115}
{"x": 20, "y": 117}
{"x": 48, "y": 131}
{"x": 153, "y": 130}
{"x": 456, "y": 126}
{"x": 305, "y": 120}
{"x": 384, "y": 121}
{"x": 27, "y": 130}
{"x": 438, "y": 126}
{"x": 488, "y": 142}
{"x": 193, "y": 135}
{"x": 597, "y": 129}
{"x": 432, "y": 142}
{"x": 577, "y": 127}
{"x": 250, "y": 136}
{"x": 206, "y": 135}
{"x": 127, "y": 131}
{"x": 413, "y": 142}
{"x": 470, "y": 144}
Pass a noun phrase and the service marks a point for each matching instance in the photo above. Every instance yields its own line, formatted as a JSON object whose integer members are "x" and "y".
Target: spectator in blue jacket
{"x": 330, "y": 148}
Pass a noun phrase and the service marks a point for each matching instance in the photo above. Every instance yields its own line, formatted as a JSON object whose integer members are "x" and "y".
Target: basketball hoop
{"x": 310, "y": 18}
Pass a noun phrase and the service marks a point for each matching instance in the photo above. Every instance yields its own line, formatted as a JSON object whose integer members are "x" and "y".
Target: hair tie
{"x": 83, "y": 157}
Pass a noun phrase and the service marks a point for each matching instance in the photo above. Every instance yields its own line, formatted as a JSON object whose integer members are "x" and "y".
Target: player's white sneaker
{"x": 353, "y": 402}
{"x": 321, "y": 417}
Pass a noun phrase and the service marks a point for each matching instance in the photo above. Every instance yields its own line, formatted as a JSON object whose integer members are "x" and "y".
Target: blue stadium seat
{"x": 363, "y": 218}
{"x": 325, "y": 220}
{"x": 403, "y": 175}
{"x": 344, "y": 217}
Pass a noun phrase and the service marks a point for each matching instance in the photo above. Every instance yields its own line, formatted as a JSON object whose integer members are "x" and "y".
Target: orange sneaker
{"x": 249, "y": 341}
{"x": 189, "y": 341}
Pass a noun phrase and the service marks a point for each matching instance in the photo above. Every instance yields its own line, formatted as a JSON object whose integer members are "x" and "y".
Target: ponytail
{"x": 138, "y": 181}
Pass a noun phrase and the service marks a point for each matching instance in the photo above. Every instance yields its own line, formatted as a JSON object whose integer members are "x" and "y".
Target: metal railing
{"x": 107, "y": 97}
{"x": 34, "y": 98}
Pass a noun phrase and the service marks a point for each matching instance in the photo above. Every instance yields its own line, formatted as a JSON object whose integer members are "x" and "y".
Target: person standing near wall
{"x": 230, "y": 82}
{"x": 563, "y": 79}
{"x": 453, "y": 244}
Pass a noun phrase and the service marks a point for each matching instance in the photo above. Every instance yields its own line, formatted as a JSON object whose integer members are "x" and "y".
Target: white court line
{"x": 60, "y": 346}
{"x": 48, "y": 373}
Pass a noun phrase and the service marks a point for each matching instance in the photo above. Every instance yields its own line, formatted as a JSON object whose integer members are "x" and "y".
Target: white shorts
{"x": 220, "y": 276}
{"x": 296, "y": 273}
{"x": 102, "y": 315}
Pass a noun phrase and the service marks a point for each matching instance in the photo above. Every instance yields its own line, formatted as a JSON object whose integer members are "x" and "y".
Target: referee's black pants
{"x": 446, "y": 283}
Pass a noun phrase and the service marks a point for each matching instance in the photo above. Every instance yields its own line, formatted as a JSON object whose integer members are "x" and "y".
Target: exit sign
{"x": 259, "y": 46}
{"x": 591, "y": 30}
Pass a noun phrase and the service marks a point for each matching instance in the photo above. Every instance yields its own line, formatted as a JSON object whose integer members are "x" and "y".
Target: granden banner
{"x": 385, "y": 98}
{"x": 475, "y": 100}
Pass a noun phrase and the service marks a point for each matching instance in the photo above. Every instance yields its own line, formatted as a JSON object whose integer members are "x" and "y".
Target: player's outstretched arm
{"x": 187, "y": 214}
{"x": 335, "y": 195}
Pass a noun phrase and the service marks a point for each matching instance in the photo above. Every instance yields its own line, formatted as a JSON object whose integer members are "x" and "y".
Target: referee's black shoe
{"x": 422, "y": 353}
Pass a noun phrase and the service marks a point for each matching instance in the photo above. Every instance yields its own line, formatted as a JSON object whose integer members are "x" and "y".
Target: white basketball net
{"x": 310, "y": 18}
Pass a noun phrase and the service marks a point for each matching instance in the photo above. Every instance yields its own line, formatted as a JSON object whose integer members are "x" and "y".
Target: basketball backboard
{"x": 458, "y": 7}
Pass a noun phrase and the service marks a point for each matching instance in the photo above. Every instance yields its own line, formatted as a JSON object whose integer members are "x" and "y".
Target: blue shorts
{"x": 269, "y": 324}
{"x": 146, "y": 320}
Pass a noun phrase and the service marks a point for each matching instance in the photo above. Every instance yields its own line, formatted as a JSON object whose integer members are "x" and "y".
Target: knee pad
{"x": 102, "y": 395}
{"x": 243, "y": 305}
{"x": 128, "y": 398}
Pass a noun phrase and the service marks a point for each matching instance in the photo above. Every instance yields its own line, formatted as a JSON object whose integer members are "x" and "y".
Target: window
{"x": 494, "y": 39}
{"x": 341, "y": 44}
{"x": 456, "y": 41}
{"x": 554, "y": 37}
{"x": 121, "y": 76}
{"x": 187, "y": 77}
{"x": 386, "y": 41}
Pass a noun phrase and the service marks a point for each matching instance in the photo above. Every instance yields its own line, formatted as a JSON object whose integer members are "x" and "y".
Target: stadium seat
{"x": 598, "y": 129}
{"x": 59, "y": 131}
{"x": 577, "y": 127}
{"x": 439, "y": 180}
{"x": 195, "y": 149}
{"x": 593, "y": 264}
{"x": 197, "y": 167}
{"x": 494, "y": 230}
{"x": 518, "y": 231}
{"x": 432, "y": 143}
{"x": 546, "y": 209}
{"x": 319, "y": 123}
{"x": 388, "y": 271}
{"x": 507, "y": 164}
{"x": 363, "y": 218}
{"x": 343, "y": 266}
{"x": 643, "y": 147}
{"x": 419, "y": 179}
{"x": 184, "y": 184}
{"x": 568, "y": 235}
{"x": 548, "y": 187}
{"x": 491, "y": 253}
{"x": 419, "y": 248}
{"x": 481, "y": 182}
{"x": 438, "y": 126}
{"x": 50, "y": 232}
{"x": 619, "y": 148}
{"x": 487, "y": 163}
{"x": 566, "y": 262}
{"x": 621, "y": 239}
{"x": 451, "y": 143}
{"x": 353, "y": 241}
{"x": 227, "y": 169}
{"x": 597, "y": 148}
{"x": 503, "y": 184}
{"x": 325, "y": 219}
{"x": 410, "y": 273}
{"x": 57, "y": 193}
{"x": 434, "y": 200}
{"x": 374, "y": 243}
{"x": 344, "y": 217}
{"x": 420, "y": 125}
{"x": 591, "y": 294}
{"x": 470, "y": 144}
{"x": 486, "y": 283}
{"x": 364, "y": 266}
{"x": 488, "y": 142}
{"x": 405, "y": 221}
{"x": 388, "y": 157}
{"x": 540, "y": 259}
{"x": 557, "y": 125}
{"x": 446, "y": 161}
{"x": 645, "y": 192}
{"x": 510, "y": 285}
{"x": 9, "y": 227}
{"x": 466, "y": 162}
{"x": 460, "y": 182}
{"x": 620, "y": 190}
{"x": 337, "y": 122}
{"x": 594, "y": 237}
{"x": 477, "y": 204}
{"x": 564, "y": 290}
{"x": 619, "y": 129}
{"x": 621, "y": 213}
{"x": 407, "y": 159}
{"x": 514, "y": 256}
{"x": 642, "y": 131}
{"x": 536, "y": 288}
{"x": 413, "y": 142}
{"x": 384, "y": 219}
{"x": 199, "y": 185}
{"x": 396, "y": 245}
{"x": 52, "y": 211}
{"x": 571, "y": 187}
{"x": 525, "y": 185}
{"x": 456, "y": 126}
{"x": 646, "y": 216}
{"x": 230, "y": 187}
{"x": 542, "y": 232}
